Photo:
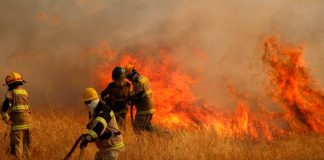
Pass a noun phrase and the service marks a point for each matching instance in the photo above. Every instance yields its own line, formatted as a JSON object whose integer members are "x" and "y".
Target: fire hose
{"x": 74, "y": 147}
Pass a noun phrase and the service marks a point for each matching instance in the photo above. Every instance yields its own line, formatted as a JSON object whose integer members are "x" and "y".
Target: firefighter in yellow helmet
{"x": 117, "y": 93}
{"x": 16, "y": 112}
{"x": 103, "y": 128}
{"x": 142, "y": 98}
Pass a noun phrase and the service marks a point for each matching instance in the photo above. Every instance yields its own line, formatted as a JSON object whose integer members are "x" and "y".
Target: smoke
{"x": 53, "y": 43}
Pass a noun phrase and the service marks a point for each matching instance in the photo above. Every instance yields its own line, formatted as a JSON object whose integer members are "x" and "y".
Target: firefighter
{"x": 103, "y": 128}
{"x": 142, "y": 98}
{"x": 117, "y": 93}
{"x": 16, "y": 112}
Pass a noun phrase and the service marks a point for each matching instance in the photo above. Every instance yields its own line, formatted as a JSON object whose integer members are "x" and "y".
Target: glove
{"x": 85, "y": 141}
{"x": 84, "y": 144}
{"x": 133, "y": 99}
{"x": 7, "y": 121}
{"x": 6, "y": 118}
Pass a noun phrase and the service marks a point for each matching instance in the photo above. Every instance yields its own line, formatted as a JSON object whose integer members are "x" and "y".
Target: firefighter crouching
{"x": 103, "y": 128}
{"x": 17, "y": 113}
{"x": 142, "y": 98}
{"x": 117, "y": 93}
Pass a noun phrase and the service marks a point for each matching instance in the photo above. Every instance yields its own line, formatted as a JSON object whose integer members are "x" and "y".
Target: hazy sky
{"x": 46, "y": 39}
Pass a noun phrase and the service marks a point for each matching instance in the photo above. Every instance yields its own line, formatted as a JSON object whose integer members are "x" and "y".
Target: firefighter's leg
{"x": 121, "y": 119}
{"x": 16, "y": 143}
{"x": 139, "y": 123}
{"x": 26, "y": 145}
{"x": 112, "y": 155}
{"x": 98, "y": 156}
{"x": 108, "y": 155}
{"x": 12, "y": 143}
{"x": 148, "y": 125}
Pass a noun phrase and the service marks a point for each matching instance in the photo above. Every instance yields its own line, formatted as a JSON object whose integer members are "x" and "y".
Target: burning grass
{"x": 55, "y": 130}
{"x": 189, "y": 128}
{"x": 291, "y": 87}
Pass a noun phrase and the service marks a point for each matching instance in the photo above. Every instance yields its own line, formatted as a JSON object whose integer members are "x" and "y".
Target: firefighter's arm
{"x": 135, "y": 97}
{"x": 105, "y": 93}
{"x": 4, "y": 110}
{"x": 104, "y": 96}
{"x": 146, "y": 87}
{"x": 143, "y": 86}
{"x": 100, "y": 124}
{"x": 97, "y": 127}
{"x": 95, "y": 130}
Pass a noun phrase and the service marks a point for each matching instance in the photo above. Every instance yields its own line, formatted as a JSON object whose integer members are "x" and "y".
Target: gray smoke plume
{"x": 50, "y": 42}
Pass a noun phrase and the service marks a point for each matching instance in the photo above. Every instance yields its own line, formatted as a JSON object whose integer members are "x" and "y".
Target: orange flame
{"x": 178, "y": 107}
{"x": 293, "y": 87}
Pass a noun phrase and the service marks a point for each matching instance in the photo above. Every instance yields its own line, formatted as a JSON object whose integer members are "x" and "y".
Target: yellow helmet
{"x": 13, "y": 77}
{"x": 129, "y": 68}
{"x": 90, "y": 94}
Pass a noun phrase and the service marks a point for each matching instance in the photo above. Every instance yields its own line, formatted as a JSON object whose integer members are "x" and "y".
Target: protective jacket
{"x": 17, "y": 108}
{"x": 104, "y": 129}
{"x": 142, "y": 96}
{"x": 116, "y": 97}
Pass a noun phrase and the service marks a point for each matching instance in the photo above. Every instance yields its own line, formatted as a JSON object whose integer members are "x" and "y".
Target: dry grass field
{"x": 250, "y": 69}
{"x": 55, "y": 129}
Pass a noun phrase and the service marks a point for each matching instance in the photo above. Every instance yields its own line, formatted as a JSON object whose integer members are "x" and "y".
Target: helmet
{"x": 118, "y": 73}
{"x": 130, "y": 71}
{"x": 129, "y": 68}
{"x": 13, "y": 77}
{"x": 90, "y": 94}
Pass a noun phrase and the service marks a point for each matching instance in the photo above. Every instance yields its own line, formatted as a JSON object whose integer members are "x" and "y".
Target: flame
{"x": 293, "y": 87}
{"x": 177, "y": 106}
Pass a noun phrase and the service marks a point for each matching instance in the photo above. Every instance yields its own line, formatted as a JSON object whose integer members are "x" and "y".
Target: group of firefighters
{"x": 106, "y": 112}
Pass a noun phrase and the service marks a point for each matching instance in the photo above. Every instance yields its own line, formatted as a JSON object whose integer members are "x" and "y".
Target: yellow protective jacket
{"x": 16, "y": 107}
{"x": 116, "y": 97}
{"x": 104, "y": 130}
{"x": 142, "y": 90}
